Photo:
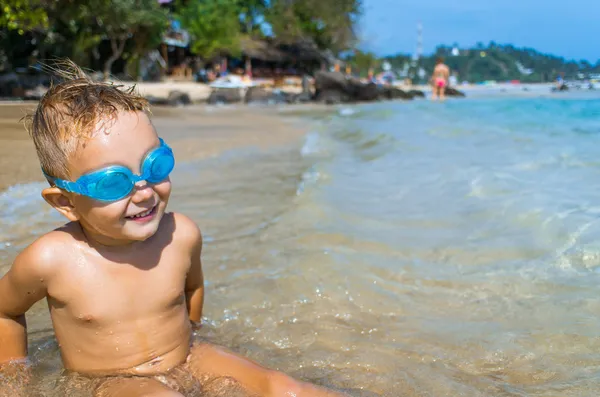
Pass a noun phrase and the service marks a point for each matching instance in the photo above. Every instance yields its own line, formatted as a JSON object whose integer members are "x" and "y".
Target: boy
{"x": 123, "y": 279}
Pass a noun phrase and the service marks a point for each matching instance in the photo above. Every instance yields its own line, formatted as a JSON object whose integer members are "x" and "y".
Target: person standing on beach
{"x": 439, "y": 79}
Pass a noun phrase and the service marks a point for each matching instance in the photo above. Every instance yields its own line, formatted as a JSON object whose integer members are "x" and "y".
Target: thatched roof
{"x": 261, "y": 49}
{"x": 272, "y": 51}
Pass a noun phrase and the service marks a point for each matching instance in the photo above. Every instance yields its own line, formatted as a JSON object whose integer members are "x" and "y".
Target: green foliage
{"x": 83, "y": 29}
{"x": 213, "y": 24}
{"x": 22, "y": 15}
{"x": 251, "y": 14}
{"x": 330, "y": 24}
{"x": 501, "y": 63}
{"x": 121, "y": 20}
{"x": 362, "y": 61}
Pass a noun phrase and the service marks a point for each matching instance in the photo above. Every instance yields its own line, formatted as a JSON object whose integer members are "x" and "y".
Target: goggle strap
{"x": 67, "y": 185}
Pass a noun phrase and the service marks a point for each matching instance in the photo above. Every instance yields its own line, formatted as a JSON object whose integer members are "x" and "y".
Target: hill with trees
{"x": 498, "y": 62}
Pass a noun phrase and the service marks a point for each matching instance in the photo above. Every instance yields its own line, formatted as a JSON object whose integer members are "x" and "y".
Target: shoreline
{"x": 194, "y": 132}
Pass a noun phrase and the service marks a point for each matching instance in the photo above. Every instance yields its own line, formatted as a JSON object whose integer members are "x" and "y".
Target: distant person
{"x": 123, "y": 278}
{"x": 439, "y": 79}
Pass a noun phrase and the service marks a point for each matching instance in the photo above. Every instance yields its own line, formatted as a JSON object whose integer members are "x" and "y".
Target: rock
{"x": 178, "y": 98}
{"x": 175, "y": 98}
{"x": 453, "y": 92}
{"x": 225, "y": 96}
{"x": 304, "y": 97}
{"x": 365, "y": 92}
{"x": 332, "y": 96}
{"x": 416, "y": 93}
{"x": 257, "y": 94}
{"x": 152, "y": 100}
{"x": 335, "y": 87}
{"x": 389, "y": 92}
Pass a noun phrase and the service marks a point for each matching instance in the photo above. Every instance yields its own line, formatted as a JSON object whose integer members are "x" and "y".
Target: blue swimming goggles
{"x": 116, "y": 182}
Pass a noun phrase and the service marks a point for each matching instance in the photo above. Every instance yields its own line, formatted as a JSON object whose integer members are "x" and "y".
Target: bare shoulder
{"x": 43, "y": 257}
{"x": 187, "y": 231}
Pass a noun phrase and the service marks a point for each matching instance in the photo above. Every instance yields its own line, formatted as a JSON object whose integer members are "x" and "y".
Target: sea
{"x": 401, "y": 249}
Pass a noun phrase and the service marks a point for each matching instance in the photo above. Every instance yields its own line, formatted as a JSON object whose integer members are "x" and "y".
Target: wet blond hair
{"x": 68, "y": 113}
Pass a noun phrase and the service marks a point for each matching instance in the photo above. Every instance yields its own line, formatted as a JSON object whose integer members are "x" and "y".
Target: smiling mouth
{"x": 142, "y": 216}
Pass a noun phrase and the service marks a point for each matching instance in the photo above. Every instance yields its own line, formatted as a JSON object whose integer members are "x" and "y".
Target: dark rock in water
{"x": 152, "y": 100}
{"x": 258, "y": 94}
{"x": 178, "y": 98}
{"x": 416, "y": 93}
{"x": 331, "y": 80}
{"x": 175, "y": 98}
{"x": 332, "y": 96}
{"x": 389, "y": 92}
{"x": 225, "y": 96}
{"x": 335, "y": 87}
{"x": 365, "y": 92}
{"x": 261, "y": 95}
{"x": 304, "y": 97}
{"x": 453, "y": 92}
{"x": 332, "y": 88}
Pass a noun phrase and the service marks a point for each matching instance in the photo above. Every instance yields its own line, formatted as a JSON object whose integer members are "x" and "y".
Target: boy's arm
{"x": 194, "y": 282}
{"x": 22, "y": 286}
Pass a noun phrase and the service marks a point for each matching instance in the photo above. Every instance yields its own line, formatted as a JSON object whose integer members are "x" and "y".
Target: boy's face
{"x": 124, "y": 141}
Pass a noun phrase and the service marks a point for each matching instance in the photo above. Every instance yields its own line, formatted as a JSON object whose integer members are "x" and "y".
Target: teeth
{"x": 142, "y": 214}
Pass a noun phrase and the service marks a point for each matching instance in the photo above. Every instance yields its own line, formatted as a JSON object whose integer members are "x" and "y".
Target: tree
{"x": 214, "y": 26}
{"x": 252, "y": 13}
{"x": 22, "y": 15}
{"x": 121, "y": 20}
{"x": 329, "y": 24}
{"x": 363, "y": 61}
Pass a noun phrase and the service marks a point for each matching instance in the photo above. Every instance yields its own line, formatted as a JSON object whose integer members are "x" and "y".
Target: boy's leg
{"x": 211, "y": 361}
{"x": 134, "y": 387}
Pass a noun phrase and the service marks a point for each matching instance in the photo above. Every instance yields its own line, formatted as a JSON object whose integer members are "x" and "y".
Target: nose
{"x": 142, "y": 191}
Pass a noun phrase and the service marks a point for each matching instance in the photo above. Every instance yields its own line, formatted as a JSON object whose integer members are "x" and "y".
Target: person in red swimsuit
{"x": 439, "y": 79}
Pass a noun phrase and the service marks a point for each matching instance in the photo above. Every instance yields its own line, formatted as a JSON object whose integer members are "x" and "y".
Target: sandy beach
{"x": 194, "y": 132}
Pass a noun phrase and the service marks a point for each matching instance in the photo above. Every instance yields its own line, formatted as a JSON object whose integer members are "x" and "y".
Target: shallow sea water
{"x": 406, "y": 249}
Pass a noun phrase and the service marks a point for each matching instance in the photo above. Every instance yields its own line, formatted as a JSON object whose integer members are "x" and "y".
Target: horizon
{"x": 547, "y": 27}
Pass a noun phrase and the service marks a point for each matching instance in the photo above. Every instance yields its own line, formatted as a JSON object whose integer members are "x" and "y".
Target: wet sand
{"x": 194, "y": 132}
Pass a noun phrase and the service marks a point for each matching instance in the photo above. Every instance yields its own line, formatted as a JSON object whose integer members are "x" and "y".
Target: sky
{"x": 564, "y": 28}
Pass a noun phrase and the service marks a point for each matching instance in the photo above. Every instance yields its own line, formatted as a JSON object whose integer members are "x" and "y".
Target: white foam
{"x": 347, "y": 112}
{"x": 311, "y": 144}
{"x": 21, "y": 197}
{"x": 23, "y": 208}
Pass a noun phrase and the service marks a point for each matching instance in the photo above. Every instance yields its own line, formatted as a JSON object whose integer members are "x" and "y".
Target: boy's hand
{"x": 196, "y": 325}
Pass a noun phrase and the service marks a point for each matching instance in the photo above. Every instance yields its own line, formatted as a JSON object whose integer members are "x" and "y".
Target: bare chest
{"x": 102, "y": 292}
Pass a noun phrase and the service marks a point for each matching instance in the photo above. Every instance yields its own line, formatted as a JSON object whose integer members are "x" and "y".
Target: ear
{"x": 61, "y": 202}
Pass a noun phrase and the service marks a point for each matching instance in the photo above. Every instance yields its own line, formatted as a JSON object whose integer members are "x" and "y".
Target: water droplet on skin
{"x": 96, "y": 332}
{"x": 116, "y": 348}
{"x": 110, "y": 332}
